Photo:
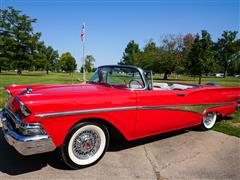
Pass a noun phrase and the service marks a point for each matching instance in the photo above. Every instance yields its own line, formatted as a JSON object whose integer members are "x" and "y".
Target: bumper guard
{"x": 25, "y": 145}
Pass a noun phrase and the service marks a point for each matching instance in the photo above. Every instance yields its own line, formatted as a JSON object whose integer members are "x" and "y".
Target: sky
{"x": 111, "y": 24}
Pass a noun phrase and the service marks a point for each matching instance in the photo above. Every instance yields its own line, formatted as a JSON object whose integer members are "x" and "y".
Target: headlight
{"x": 30, "y": 129}
{"x": 24, "y": 110}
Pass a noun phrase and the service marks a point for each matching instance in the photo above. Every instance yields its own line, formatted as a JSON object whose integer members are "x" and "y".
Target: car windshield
{"x": 118, "y": 77}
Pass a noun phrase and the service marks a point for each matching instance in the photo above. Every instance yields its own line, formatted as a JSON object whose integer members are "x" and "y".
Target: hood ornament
{"x": 26, "y": 91}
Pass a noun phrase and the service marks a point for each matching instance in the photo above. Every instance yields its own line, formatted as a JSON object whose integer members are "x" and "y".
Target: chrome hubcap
{"x": 209, "y": 119}
{"x": 86, "y": 144}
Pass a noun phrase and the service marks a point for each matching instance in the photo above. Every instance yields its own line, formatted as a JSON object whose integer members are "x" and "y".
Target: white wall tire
{"x": 209, "y": 121}
{"x": 85, "y": 145}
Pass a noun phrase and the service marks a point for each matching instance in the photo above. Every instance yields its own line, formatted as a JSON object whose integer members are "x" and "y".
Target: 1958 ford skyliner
{"x": 78, "y": 118}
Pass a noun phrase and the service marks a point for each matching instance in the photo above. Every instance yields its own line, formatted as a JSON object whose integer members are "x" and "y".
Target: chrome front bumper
{"x": 25, "y": 145}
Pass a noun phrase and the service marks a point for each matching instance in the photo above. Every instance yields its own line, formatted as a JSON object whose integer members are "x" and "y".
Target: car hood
{"x": 53, "y": 90}
{"x": 65, "y": 97}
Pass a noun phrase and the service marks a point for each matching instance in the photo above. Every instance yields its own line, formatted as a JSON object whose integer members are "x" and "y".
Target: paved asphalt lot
{"x": 178, "y": 155}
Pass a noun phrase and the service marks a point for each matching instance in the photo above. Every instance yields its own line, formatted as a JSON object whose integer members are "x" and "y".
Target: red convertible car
{"x": 78, "y": 119}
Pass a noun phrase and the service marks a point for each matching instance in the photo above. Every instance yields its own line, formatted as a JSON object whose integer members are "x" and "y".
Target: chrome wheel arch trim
{"x": 196, "y": 108}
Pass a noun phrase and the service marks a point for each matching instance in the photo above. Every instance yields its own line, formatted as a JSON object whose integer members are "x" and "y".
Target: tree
{"x": 67, "y": 62}
{"x": 20, "y": 42}
{"x": 51, "y": 59}
{"x": 227, "y": 48}
{"x": 201, "y": 56}
{"x": 149, "y": 57}
{"x": 130, "y": 54}
{"x": 188, "y": 41}
{"x": 164, "y": 59}
{"x": 4, "y": 60}
{"x": 172, "y": 47}
{"x": 234, "y": 68}
{"x": 89, "y": 63}
{"x": 39, "y": 57}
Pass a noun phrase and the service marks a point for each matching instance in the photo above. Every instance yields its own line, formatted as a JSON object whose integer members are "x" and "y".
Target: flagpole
{"x": 84, "y": 63}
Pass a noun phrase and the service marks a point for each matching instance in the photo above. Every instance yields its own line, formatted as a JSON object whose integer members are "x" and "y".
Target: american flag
{"x": 83, "y": 32}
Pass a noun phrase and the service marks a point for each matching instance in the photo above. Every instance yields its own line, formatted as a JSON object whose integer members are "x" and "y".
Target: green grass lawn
{"x": 10, "y": 78}
{"x": 229, "y": 81}
{"x": 229, "y": 125}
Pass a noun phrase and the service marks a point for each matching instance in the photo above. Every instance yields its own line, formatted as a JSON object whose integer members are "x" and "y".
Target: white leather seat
{"x": 161, "y": 86}
{"x": 180, "y": 86}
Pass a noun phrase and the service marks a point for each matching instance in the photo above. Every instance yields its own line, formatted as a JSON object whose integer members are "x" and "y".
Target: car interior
{"x": 171, "y": 86}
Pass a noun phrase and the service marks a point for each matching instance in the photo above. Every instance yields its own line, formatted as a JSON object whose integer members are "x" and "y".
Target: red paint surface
{"x": 132, "y": 124}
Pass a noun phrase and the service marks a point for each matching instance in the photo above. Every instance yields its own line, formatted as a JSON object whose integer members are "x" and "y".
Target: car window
{"x": 119, "y": 77}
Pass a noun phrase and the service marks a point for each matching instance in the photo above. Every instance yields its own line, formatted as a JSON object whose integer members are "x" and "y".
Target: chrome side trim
{"x": 197, "y": 108}
{"x": 66, "y": 113}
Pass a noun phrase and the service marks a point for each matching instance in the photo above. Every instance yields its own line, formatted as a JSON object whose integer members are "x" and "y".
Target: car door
{"x": 160, "y": 111}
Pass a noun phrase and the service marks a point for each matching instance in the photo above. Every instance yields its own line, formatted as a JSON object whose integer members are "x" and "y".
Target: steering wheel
{"x": 138, "y": 83}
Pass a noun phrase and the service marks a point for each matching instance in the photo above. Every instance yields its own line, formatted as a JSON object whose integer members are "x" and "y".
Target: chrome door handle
{"x": 180, "y": 94}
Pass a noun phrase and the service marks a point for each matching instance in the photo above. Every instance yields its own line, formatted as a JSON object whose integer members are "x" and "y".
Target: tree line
{"x": 22, "y": 49}
{"x": 187, "y": 54}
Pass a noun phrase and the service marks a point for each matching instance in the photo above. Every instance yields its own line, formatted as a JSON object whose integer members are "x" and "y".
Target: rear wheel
{"x": 209, "y": 121}
{"x": 85, "y": 145}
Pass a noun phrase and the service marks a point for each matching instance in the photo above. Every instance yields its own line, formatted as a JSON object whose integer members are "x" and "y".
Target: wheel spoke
{"x": 86, "y": 144}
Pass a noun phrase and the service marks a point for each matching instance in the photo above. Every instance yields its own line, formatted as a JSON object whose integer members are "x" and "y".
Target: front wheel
{"x": 209, "y": 121}
{"x": 85, "y": 145}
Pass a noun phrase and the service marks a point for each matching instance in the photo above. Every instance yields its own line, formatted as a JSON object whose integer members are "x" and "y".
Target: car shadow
{"x": 12, "y": 163}
{"x": 121, "y": 143}
{"x": 226, "y": 118}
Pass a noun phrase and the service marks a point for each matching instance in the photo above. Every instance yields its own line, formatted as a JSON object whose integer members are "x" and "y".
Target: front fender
{"x": 58, "y": 127}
